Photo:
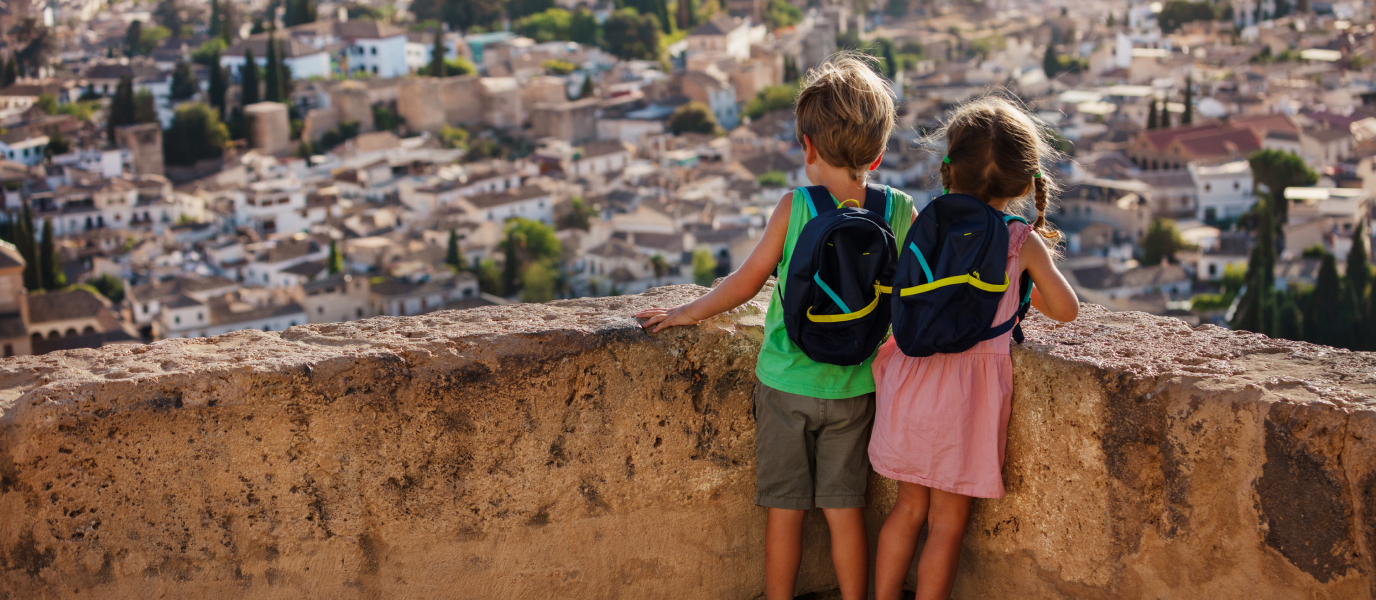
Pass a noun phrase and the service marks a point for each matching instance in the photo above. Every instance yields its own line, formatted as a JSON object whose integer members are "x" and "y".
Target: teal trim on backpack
{"x": 922, "y": 260}
{"x": 826, "y": 288}
{"x": 888, "y": 204}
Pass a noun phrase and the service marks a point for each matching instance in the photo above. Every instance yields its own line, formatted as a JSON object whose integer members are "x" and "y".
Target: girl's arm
{"x": 738, "y": 287}
{"x": 1052, "y": 295}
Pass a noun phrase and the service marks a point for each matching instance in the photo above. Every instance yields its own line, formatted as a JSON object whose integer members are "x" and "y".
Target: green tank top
{"x": 781, "y": 364}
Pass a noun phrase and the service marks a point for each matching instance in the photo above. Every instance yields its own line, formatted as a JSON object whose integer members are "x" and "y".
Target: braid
{"x": 1039, "y": 197}
{"x": 946, "y": 176}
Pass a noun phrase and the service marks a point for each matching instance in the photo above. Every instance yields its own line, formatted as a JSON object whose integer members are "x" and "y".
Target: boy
{"x": 813, "y": 420}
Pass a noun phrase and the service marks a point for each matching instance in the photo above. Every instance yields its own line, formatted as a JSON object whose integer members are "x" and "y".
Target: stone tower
{"x": 269, "y": 128}
{"x": 144, "y": 143}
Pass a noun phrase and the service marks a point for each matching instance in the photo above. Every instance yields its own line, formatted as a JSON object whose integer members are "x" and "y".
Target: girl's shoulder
{"x": 1018, "y": 234}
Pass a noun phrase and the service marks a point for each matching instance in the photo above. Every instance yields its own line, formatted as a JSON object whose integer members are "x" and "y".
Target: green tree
{"x": 897, "y": 8}
{"x": 1324, "y": 321}
{"x": 515, "y": 9}
{"x": 133, "y": 38}
{"x": 272, "y": 78}
{"x": 385, "y": 119}
{"x": 335, "y": 262}
{"x": 1162, "y": 241}
{"x": 57, "y": 145}
{"x": 583, "y": 28}
{"x": 47, "y": 103}
{"x": 1151, "y": 115}
{"x": 770, "y": 99}
{"x": 587, "y": 90}
{"x": 11, "y": 71}
{"x": 548, "y": 26}
{"x": 693, "y": 117}
{"x": 208, "y": 53}
{"x": 538, "y": 281}
{"x": 660, "y": 266}
{"x": 490, "y": 278}
{"x": 704, "y": 267}
{"x": 454, "y": 137}
{"x": 436, "y": 68}
{"x": 121, "y": 106}
{"x": 1358, "y": 265}
{"x": 1051, "y": 63}
{"x": 184, "y": 84}
{"x": 196, "y": 134}
{"x": 51, "y": 270}
{"x": 526, "y": 243}
{"x": 790, "y": 69}
{"x": 579, "y": 216}
{"x": 1188, "y": 117}
{"x": 299, "y": 12}
{"x": 1277, "y": 170}
{"x": 1176, "y": 13}
{"x": 1112, "y": 21}
{"x": 145, "y": 107}
{"x": 109, "y": 286}
{"x": 631, "y": 35}
{"x": 218, "y": 86}
{"x": 215, "y": 26}
{"x": 1291, "y": 326}
{"x": 461, "y": 14}
{"x": 773, "y": 179}
{"x": 168, "y": 14}
{"x": 248, "y": 77}
{"x": 1256, "y": 309}
{"x": 26, "y": 243}
{"x": 1165, "y": 114}
{"x": 780, "y": 13}
{"x": 686, "y": 13}
{"x": 451, "y": 254}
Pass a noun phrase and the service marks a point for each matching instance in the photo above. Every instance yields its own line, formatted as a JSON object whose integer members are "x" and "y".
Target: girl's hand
{"x": 659, "y": 318}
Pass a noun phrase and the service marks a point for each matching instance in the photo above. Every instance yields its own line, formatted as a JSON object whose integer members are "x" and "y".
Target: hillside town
{"x": 185, "y": 169}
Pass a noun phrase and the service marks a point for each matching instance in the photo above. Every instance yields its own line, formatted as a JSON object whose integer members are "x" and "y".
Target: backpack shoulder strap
{"x": 818, "y": 200}
{"x": 877, "y": 200}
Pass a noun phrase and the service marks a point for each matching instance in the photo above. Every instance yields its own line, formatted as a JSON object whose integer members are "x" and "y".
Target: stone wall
{"x": 558, "y": 451}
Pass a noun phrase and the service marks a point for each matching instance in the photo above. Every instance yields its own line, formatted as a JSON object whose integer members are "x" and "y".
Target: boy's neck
{"x": 839, "y": 183}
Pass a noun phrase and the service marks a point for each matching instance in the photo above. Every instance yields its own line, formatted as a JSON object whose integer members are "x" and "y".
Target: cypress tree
{"x": 50, "y": 273}
{"x": 451, "y": 256}
{"x": 1151, "y": 115}
{"x": 122, "y": 110}
{"x": 511, "y": 265}
{"x": 890, "y": 65}
{"x": 1290, "y": 327}
{"x": 336, "y": 260}
{"x": 249, "y": 79}
{"x": 662, "y": 11}
{"x": 273, "y": 92}
{"x": 1188, "y": 117}
{"x": 587, "y": 90}
{"x": 1256, "y": 309}
{"x": 437, "y": 55}
{"x": 1165, "y": 115}
{"x": 11, "y": 71}
{"x": 218, "y": 86}
{"x": 1050, "y": 62}
{"x": 1324, "y": 323}
{"x": 687, "y": 15}
{"x": 27, "y": 249}
{"x": 1358, "y": 267}
{"x": 216, "y": 24}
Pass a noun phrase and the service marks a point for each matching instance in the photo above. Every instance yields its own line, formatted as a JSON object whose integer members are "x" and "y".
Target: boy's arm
{"x": 738, "y": 287}
{"x": 1053, "y": 295}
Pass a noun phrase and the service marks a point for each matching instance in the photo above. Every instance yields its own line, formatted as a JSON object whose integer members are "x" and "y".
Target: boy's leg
{"x": 783, "y": 551}
{"x": 946, "y": 520}
{"x": 898, "y": 540}
{"x": 843, "y": 468}
{"x": 850, "y": 552}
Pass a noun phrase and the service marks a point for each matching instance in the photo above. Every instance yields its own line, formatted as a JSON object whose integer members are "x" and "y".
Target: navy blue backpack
{"x": 951, "y": 276}
{"x": 836, "y": 293}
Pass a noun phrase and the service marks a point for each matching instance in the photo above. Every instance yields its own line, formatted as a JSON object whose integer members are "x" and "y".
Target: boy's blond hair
{"x": 848, "y": 111}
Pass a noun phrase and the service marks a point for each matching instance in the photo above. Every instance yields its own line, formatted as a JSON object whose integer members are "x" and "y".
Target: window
{"x": 375, "y": 69}
{"x": 374, "y": 53}
{"x": 359, "y": 312}
{"x": 177, "y": 320}
{"x": 9, "y": 350}
{"x": 1213, "y": 269}
{"x": 1208, "y": 187}
{"x": 200, "y": 316}
{"x": 319, "y": 310}
{"x": 1236, "y": 185}
{"x": 291, "y": 324}
{"x": 265, "y": 278}
{"x": 145, "y": 308}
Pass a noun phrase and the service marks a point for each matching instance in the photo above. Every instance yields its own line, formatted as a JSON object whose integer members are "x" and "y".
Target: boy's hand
{"x": 659, "y": 318}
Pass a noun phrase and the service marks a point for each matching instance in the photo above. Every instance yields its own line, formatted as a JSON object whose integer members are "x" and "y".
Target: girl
{"x": 941, "y": 421}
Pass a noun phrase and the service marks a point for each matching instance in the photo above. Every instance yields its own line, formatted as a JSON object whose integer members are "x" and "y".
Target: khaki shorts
{"x": 809, "y": 451}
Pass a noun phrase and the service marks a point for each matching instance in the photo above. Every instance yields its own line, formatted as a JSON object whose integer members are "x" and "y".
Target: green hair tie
{"x": 946, "y": 159}
{"x": 1037, "y": 175}
{"x": 945, "y": 191}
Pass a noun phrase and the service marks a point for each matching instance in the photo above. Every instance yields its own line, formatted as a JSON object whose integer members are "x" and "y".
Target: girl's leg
{"x": 783, "y": 551}
{"x": 898, "y": 540}
{"x": 850, "y": 551}
{"x": 946, "y": 521}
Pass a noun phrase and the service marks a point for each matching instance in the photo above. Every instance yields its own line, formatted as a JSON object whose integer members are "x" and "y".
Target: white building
{"x": 1223, "y": 191}
{"x": 420, "y": 45}
{"x": 723, "y": 34}
{"x": 272, "y": 265}
{"x": 23, "y": 148}
{"x": 373, "y": 47}
{"x": 280, "y": 205}
{"x": 529, "y": 202}
{"x": 187, "y": 317}
{"x": 304, "y": 61}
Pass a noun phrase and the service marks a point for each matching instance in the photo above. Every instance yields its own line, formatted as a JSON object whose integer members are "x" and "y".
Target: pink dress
{"x": 942, "y": 421}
